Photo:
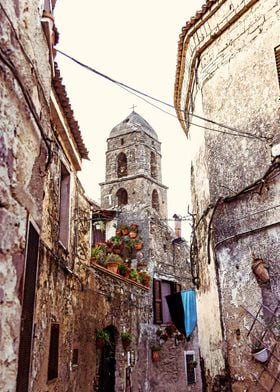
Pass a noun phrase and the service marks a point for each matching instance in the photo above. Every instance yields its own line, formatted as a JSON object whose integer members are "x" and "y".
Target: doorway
{"x": 107, "y": 366}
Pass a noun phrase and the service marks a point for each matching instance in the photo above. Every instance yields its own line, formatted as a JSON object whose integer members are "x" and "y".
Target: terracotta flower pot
{"x": 260, "y": 270}
{"x": 155, "y": 356}
{"x": 138, "y": 246}
{"x": 112, "y": 267}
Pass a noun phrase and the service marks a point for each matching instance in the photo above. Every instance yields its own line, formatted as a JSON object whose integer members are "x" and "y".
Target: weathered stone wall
{"x": 24, "y": 94}
{"x": 235, "y": 84}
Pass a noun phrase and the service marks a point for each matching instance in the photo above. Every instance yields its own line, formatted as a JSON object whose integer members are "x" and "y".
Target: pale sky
{"x": 134, "y": 42}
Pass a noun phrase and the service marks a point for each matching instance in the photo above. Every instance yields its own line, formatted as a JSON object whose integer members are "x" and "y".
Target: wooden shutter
{"x": 30, "y": 280}
{"x": 157, "y": 301}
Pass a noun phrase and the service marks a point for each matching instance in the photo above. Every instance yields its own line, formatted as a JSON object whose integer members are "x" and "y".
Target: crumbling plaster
{"x": 236, "y": 84}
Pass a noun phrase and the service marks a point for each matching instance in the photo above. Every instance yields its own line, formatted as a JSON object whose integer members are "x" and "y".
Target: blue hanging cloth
{"x": 182, "y": 309}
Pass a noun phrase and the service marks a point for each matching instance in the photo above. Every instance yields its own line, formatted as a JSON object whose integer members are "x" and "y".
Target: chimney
{"x": 177, "y": 226}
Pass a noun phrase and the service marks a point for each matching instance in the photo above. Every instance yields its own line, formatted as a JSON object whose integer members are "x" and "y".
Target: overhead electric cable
{"x": 173, "y": 115}
{"x": 128, "y": 88}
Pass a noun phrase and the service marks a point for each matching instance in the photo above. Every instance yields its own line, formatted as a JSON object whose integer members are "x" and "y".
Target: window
{"x": 277, "y": 59}
{"x": 53, "y": 352}
{"x": 155, "y": 200}
{"x": 29, "y": 292}
{"x": 153, "y": 164}
{"x": 190, "y": 366}
{"x": 64, "y": 208}
{"x": 162, "y": 288}
{"x": 122, "y": 165}
{"x": 75, "y": 357}
{"x": 122, "y": 197}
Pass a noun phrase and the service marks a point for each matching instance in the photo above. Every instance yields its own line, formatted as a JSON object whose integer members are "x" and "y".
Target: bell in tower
{"x": 133, "y": 168}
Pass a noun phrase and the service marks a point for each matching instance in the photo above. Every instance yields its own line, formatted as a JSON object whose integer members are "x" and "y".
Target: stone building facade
{"x": 133, "y": 187}
{"x": 228, "y": 73}
{"x": 53, "y": 298}
{"x": 42, "y": 204}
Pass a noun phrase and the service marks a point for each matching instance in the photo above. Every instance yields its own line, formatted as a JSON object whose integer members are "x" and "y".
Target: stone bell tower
{"x": 133, "y": 168}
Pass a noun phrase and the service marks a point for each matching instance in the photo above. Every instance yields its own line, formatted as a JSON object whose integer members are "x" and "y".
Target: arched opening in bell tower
{"x": 155, "y": 200}
{"x": 122, "y": 197}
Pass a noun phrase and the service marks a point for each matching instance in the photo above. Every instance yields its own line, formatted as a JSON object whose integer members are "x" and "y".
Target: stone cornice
{"x": 128, "y": 178}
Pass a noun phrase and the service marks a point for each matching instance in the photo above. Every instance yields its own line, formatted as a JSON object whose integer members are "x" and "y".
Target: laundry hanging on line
{"x": 182, "y": 309}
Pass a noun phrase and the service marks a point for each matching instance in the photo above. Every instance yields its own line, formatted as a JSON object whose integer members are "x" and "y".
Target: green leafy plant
{"x": 144, "y": 278}
{"x": 99, "y": 252}
{"x": 103, "y": 335}
{"x": 99, "y": 225}
{"x": 133, "y": 227}
{"x": 126, "y": 336}
{"x": 113, "y": 258}
{"x": 123, "y": 269}
{"x": 134, "y": 275}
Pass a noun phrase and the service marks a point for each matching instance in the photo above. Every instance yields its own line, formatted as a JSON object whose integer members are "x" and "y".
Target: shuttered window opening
{"x": 64, "y": 208}
{"x": 190, "y": 366}
{"x": 162, "y": 288}
{"x": 29, "y": 291}
{"x": 53, "y": 352}
{"x": 277, "y": 59}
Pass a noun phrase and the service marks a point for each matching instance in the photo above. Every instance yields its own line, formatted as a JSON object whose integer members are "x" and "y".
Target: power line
{"x": 196, "y": 125}
{"x": 140, "y": 95}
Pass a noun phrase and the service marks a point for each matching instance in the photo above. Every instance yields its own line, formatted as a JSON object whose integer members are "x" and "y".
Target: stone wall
{"x": 24, "y": 94}
{"x": 230, "y": 77}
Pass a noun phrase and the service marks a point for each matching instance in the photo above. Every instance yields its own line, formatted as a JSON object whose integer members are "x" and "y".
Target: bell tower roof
{"x": 133, "y": 122}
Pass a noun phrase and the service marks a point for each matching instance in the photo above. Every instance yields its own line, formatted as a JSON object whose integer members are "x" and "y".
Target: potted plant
{"x": 124, "y": 229}
{"x": 138, "y": 244}
{"x": 102, "y": 338}
{"x": 123, "y": 269}
{"x": 144, "y": 278}
{"x": 99, "y": 225}
{"x": 98, "y": 253}
{"x": 112, "y": 262}
{"x": 170, "y": 330}
{"x": 155, "y": 349}
{"x": 133, "y": 275}
{"x": 117, "y": 244}
{"x": 126, "y": 338}
{"x": 133, "y": 230}
{"x": 259, "y": 351}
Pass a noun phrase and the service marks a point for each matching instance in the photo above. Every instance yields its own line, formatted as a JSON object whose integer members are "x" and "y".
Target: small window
{"x": 190, "y": 366}
{"x": 53, "y": 352}
{"x": 277, "y": 59}
{"x": 75, "y": 357}
{"x": 155, "y": 200}
{"x": 162, "y": 288}
{"x": 64, "y": 208}
{"x": 122, "y": 197}
{"x": 122, "y": 165}
{"x": 153, "y": 164}
{"x": 122, "y": 141}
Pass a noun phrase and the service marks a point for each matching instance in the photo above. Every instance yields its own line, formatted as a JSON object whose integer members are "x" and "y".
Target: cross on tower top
{"x": 133, "y": 106}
